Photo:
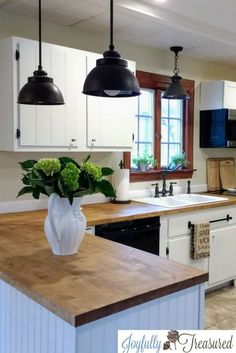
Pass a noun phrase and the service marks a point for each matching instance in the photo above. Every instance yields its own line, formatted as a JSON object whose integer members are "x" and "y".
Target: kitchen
{"x": 20, "y": 19}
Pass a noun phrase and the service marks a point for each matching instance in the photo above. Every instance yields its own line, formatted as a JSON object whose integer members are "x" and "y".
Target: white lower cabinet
{"x": 221, "y": 264}
{"x": 179, "y": 250}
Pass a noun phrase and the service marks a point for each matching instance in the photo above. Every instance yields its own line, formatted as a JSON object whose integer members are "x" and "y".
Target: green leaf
{"x": 49, "y": 189}
{"x": 25, "y": 180}
{"x": 107, "y": 171}
{"x": 82, "y": 193}
{"x": 65, "y": 160}
{"x": 38, "y": 183}
{"x": 42, "y": 191}
{"x": 105, "y": 188}
{"x": 70, "y": 197}
{"x": 25, "y": 190}
{"x": 38, "y": 174}
{"x": 61, "y": 188}
{"x": 27, "y": 164}
{"x": 36, "y": 193}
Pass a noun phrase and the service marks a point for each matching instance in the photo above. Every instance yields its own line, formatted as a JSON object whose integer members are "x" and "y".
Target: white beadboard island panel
{"x": 27, "y": 327}
{"x": 181, "y": 310}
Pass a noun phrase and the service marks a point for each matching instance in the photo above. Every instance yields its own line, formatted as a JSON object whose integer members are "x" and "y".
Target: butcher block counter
{"x": 86, "y": 297}
{"x": 102, "y": 213}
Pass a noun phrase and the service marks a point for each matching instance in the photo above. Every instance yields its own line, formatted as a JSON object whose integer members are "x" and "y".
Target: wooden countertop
{"x": 102, "y": 279}
{"x": 102, "y": 213}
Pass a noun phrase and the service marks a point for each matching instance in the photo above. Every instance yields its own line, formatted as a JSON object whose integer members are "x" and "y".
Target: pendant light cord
{"x": 111, "y": 46}
{"x": 40, "y": 37}
{"x": 176, "y": 69}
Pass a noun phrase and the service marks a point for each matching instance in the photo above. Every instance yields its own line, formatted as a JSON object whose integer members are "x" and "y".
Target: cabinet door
{"x": 222, "y": 264}
{"x": 110, "y": 121}
{"x": 212, "y": 94}
{"x": 53, "y": 126}
{"x": 75, "y": 99}
{"x": 229, "y": 95}
{"x": 179, "y": 251}
{"x": 218, "y": 95}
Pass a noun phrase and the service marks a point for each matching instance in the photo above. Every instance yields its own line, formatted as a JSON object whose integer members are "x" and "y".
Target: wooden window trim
{"x": 161, "y": 82}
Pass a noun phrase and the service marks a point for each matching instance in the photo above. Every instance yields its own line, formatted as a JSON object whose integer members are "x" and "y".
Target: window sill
{"x": 155, "y": 174}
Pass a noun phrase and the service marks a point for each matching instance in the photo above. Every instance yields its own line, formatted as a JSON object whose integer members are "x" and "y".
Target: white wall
{"x": 147, "y": 59}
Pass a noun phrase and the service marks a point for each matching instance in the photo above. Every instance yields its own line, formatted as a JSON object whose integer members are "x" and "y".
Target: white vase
{"x": 64, "y": 225}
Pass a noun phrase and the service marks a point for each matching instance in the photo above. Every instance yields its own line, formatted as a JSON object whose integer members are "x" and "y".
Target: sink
{"x": 180, "y": 200}
{"x": 169, "y": 202}
{"x": 195, "y": 198}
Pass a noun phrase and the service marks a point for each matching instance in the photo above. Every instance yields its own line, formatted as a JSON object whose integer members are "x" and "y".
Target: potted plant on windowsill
{"x": 65, "y": 182}
{"x": 178, "y": 160}
{"x": 144, "y": 161}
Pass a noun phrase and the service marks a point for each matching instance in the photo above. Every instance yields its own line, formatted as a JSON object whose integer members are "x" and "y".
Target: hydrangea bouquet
{"x": 65, "y": 177}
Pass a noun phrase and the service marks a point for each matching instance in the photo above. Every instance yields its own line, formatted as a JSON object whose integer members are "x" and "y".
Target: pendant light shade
{"x": 176, "y": 90}
{"x": 40, "y": 89}
{"x": 111, "y": 76}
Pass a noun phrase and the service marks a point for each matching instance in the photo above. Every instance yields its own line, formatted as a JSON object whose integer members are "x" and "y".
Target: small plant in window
{"x": 178, "y": 159}
{"x": 144, "y": 161}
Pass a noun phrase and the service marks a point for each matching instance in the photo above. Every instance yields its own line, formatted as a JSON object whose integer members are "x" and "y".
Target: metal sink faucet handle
{"x": 171, "y": 189}
{"x": 189, "y": 187}
{"x": 157, "y": 192}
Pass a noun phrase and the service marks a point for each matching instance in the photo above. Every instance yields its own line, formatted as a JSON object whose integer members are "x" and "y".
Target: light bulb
{"x": 112, "y": 92}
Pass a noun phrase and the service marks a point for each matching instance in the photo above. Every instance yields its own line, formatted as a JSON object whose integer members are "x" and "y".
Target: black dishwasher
{"x": 141, "y": 234}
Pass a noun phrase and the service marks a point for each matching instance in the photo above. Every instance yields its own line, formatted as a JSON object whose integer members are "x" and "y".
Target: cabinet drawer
{"x": 178, "y": 224}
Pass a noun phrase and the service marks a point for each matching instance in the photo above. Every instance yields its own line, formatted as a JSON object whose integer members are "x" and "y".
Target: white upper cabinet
{"x": 110, "y": 121}
{"x": 42, "y": 128}
{"x": 218, "y": 95}
{"x": 84, "y": 123}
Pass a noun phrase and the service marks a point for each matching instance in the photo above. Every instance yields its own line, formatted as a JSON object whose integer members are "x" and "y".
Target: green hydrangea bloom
{"x": 69, "y": 176}
{"x": 94, "y": 171}
{"x": 49, "y": 166}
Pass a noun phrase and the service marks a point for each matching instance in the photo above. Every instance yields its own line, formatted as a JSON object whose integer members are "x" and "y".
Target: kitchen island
{"x": 76, "y": 304}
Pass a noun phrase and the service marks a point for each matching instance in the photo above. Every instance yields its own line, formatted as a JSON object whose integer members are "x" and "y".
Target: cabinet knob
{"x": 93, "y": 140}
{"x": 73, "y": 140}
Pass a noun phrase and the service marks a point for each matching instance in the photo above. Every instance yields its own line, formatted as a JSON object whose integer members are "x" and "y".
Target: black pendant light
{"x": 111, "y": 77}
{"x": 176, "y": 90}
{"x": 40, "y": 89}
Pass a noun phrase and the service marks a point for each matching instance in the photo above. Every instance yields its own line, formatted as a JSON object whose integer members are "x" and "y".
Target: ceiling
{"x": 205, "y": 28}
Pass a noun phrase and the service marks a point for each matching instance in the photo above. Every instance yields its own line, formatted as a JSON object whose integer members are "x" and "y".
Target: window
{"x": 144, "y": 124}
{"x": 171, "y": 129}
{"x": 163, "y": 127}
